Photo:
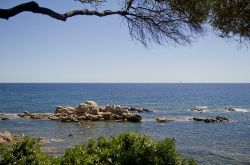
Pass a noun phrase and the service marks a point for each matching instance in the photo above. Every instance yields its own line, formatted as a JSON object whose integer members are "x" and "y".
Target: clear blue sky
{"x": 36, "y": 48}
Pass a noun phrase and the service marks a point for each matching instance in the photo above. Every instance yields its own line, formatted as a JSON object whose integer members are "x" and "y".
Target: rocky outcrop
{"x": 3, "y": 117}
{"x": 147, "y": 110}
{"x": 89, "y": 110}
{"x": 209, "y": 120}
{"x": 133, "y": 109}
{"x": 231, "y": 109}
{"x": 38, "y": 116}
{"x": 6, "y": 137}
{"x": 197, "y": 109}
{"x": 64, "y": 109}
{"x": 160, "y": 119}
{"x": 134, "y": 117}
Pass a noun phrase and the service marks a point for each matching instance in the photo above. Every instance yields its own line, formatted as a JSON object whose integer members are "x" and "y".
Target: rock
{"x": 69, "y": 118}
{"x": 71, "y": 135}
{"x": 107, "y": 115}
{"x": 147, "y": 110}
{"x": 101, "y": 108}
{"x": 116, "y": 109}
{"x": 230, "y": 109}
{"x": 52, "y": 117}
{"x": 92, "y": 117}
{"x": 91, "y": 103}
{"x": 209, "y": 120}
{"x": 132, "y": 109}
{"x": 161, "y": 119}
{"x": 219, "y": 118}
{"x": 81, "y": 118}
{"x": 197, "y": 109}
{"x": 65, "y": 119}
{"x": 39, "y": 116}
{"x": 198, "y": 119}
{"x": 41, "y": 140}
{"x": 21, "y": 115}
{"x": 139, "y": 110}
{"x": 134, "y": 118}
{"x": 26, "y": 112}
{"x": 87, "y": 108}
{"x": 64, "y": 109}
{"x": 6, "y": 137}
{"x": 4, "y": 118}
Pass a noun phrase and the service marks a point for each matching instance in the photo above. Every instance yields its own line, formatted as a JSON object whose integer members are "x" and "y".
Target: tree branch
{"x": 35, "y": 8}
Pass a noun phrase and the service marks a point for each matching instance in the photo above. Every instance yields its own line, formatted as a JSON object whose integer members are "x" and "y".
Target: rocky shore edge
{"x": 7, "y": 137}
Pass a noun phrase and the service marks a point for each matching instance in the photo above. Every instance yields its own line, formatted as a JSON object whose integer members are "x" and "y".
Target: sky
{"x": 84, "y": 49}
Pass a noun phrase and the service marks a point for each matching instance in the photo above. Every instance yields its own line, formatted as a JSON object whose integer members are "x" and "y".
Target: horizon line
{"x": 124, "y": 82}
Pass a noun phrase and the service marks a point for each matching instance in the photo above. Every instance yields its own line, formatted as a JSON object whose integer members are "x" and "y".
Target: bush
{"x": 23, "y": 152}
{"x": 127, "y": 148}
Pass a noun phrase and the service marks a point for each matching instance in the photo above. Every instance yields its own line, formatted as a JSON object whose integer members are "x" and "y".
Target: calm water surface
{"x": 207, "y": 143}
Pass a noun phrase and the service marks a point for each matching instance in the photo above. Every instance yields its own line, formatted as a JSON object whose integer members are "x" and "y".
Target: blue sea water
{"x": 207, "y": 143}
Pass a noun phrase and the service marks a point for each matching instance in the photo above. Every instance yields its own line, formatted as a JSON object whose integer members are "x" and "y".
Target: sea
{"x": 207, "y": 143}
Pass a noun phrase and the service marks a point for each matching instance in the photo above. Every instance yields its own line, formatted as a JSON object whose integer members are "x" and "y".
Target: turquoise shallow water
{"x": 207, "y": 143}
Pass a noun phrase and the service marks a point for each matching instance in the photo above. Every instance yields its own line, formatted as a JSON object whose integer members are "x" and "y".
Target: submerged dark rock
{"x": 231, "y": 109}
{"x": 4, "y": 118}
{"x": 133, "y": 109}
{"x": 209, "y": 120}
{"x": 197, "y": 109}
{"x": 134, "y": 118}
{"x": 161, "y": 119}
{"x": 147, "y": 110}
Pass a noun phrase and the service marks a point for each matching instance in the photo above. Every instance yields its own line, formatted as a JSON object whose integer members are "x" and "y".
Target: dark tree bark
{"x": 35, "y": 8}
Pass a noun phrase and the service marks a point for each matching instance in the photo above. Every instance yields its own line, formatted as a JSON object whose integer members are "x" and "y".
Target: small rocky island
{"x": 89, "y": 111}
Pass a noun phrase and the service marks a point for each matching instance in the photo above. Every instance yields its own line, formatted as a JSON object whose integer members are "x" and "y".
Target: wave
{"x": 56, "y": 140}
{"x": 202, "y": 107}
{"x": 171, "y": 118}
{"x": 242, "y": 110}
{"x": 10, "y": 115}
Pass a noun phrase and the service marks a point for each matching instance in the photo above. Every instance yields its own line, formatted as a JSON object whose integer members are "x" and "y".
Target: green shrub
{"x": 126, "y": 149}
{"x": 24, "y": 152}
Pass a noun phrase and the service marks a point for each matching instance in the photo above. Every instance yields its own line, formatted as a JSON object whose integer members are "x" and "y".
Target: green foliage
{"x": 127, "y": 148}
{"x": 231, "y": 18}
{"x": 196, "y": 10}
{"x": 26, "y": 151}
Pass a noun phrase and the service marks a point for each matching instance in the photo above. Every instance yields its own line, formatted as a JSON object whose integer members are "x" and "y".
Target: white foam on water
{"x": 10, "y": 115}
{"x": 242, "y": 110}
{"x": 183, "y": 118}
{"x": 202, "y": 107}
{"x": 56, "y": 140}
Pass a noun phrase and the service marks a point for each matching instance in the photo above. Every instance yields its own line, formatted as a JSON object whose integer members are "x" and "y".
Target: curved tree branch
{"x": 162, "y": 21}
{"x": 155, "y": 20}
{"x": 35, "y": 8}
